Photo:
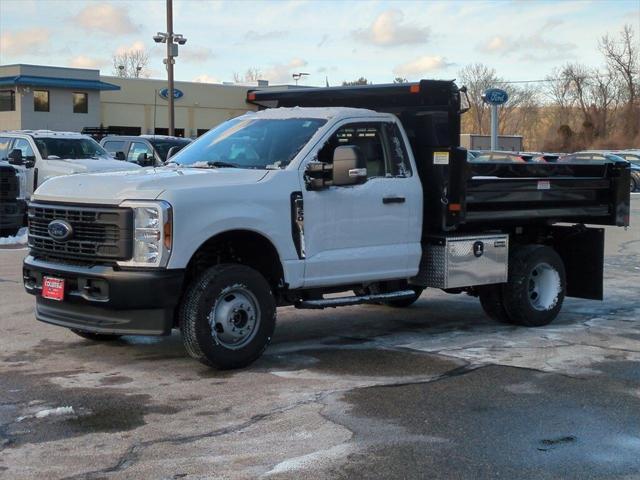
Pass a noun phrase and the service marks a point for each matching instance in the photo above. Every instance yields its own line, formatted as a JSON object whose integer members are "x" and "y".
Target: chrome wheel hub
{"x": 235, "y": 317}
{"x": 544, "y": 287}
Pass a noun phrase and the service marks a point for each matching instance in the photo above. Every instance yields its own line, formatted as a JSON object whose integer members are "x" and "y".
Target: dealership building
{"x": 76, "y": 99}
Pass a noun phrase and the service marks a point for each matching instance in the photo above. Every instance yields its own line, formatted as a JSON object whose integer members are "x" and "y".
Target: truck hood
{"x": 143, "y": 184}
{"x": 89, "y": 165}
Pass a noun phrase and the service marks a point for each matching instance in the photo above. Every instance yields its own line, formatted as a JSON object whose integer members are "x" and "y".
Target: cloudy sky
{"x": 342, "y": 40}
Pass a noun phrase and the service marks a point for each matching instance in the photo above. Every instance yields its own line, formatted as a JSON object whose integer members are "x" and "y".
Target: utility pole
{"x": 172, "y": 40}
{"x": 170, "y": 61}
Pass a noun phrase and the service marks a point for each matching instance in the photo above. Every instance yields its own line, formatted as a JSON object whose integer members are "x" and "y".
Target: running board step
{"x": 354, "y": 300}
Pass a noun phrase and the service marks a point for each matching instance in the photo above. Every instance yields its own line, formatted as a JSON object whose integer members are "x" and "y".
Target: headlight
{"x": 152, "y": 233}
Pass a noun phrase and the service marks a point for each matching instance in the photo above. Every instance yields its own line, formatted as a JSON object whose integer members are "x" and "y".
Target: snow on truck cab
{"x": 362, "y": 190}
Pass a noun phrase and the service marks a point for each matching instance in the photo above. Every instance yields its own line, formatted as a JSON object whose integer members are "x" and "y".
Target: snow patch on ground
{"x": 19, "y": 239}
{"x": 311, "y": 460}
{"x": 48, "y": 412}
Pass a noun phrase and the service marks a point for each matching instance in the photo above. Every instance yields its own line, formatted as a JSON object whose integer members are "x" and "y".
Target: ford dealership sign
{"x": 495, "y": 96}
{"x": 164, "y": 93}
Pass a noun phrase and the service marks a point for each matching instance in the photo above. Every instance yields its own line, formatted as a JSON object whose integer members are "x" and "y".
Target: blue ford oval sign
{"x": 164, "y": 93}
{"x": 60, "y": 230}
{"x": 495, "y": 96}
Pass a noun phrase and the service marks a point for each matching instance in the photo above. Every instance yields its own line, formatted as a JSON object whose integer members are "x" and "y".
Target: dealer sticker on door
{"x": 441, "y": 158}
{"x": 53, "y": 288}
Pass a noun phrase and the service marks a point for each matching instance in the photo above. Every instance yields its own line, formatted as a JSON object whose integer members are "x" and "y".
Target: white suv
{"x": 39, "y": 155}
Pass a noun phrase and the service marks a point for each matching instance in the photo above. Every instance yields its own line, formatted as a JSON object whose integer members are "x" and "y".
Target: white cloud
{"x": 105, "y": 18}
{"x": 205, "y": 78}
{"x": 389, "y": 29}
{"x": 420, "y": 66}
{"x": 28, "y": 41}
{"x": 281, "y": 73}
{"x": 196, "y": 54}
{"x": 82, "y": 61}
{"x": 253, "y": 36}
{"x": 540, "y": 40}
{"x": 136, "y": 46}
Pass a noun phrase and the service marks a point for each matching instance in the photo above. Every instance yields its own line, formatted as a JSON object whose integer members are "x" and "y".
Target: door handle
{"x": 386, "y": 200}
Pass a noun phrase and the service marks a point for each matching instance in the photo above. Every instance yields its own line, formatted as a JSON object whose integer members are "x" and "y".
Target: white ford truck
{"x": 362, "y": 190}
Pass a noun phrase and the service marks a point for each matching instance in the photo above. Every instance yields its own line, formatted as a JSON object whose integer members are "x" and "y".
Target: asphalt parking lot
{"x": 434, "y": 391}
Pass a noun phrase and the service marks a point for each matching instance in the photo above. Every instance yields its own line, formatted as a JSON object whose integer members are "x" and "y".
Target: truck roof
{"x": 314, "y": 112}
{"x": 44, "y": 133}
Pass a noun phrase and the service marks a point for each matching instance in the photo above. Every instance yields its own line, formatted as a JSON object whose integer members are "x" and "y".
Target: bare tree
{"x": 360, "y": 81}
{"x": 253, "y": 74}
{"x": 131, "y": 64}
{"x": 623, "y": 56}
{"x": 477, "y": 78}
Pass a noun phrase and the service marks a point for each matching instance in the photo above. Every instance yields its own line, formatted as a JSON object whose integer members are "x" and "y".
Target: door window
{"x": 399, "y": 164}
{"x": 367, "y": 137}
{"x": 24, "y": 146}
{"x": 114, "y": 146}
{"x": 136, "y": 149}
{"x": 4, "y": 147}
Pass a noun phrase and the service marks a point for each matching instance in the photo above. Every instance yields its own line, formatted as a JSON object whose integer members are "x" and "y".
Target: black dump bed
{"x": 472, "y": 196}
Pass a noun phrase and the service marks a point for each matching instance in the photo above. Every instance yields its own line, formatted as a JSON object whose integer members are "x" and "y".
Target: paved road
{"x": 435, "y": 391}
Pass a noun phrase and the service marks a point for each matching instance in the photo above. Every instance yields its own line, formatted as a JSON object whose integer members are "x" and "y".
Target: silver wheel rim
{"x": 235, "y": 317}
{"x": 544, "y": 287}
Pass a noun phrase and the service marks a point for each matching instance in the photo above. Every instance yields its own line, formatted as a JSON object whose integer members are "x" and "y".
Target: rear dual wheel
{"x": 534, "y": 294}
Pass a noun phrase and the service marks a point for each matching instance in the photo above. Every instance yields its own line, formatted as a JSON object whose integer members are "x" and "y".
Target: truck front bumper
{"x": 101, "y": 299}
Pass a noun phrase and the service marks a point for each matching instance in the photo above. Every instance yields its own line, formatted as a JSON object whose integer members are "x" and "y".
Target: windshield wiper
{"x": 219, "y": 164}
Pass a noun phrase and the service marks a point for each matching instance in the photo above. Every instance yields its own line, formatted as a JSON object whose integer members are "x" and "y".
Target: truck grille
{"x": 99, "y": 234}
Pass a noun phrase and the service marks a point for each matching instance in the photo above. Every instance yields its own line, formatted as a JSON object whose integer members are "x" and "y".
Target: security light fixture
{"x": 172, "y": 40}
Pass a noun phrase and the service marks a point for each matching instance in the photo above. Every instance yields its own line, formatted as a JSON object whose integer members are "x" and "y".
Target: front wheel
{"x": 227, "y": 316}
{"x": 536, "y": 289}
{"x": 635, "y": 182}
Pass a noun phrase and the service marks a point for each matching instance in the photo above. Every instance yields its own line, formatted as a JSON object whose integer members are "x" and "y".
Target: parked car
{"x": 633, "y": 157}
{"x": 499, "y": 157}
{"x": 38, "y": 155}
{"x": 284, "y": 206}
{"x": 12, "y": 205}
{"x": 540, "y": 157}
{"x": 145, "y": 150}
{"x": 599, "y": 156}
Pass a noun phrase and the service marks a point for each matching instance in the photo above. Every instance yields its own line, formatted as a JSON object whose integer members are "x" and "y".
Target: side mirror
{"x": 119, "y": 156}
{"x": 349, "y": 166}
{"x": 172, "y": 151}
{"x": 15, "y": 157}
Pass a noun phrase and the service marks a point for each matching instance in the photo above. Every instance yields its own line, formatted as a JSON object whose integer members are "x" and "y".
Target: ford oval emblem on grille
{"x": 60, "y": 230}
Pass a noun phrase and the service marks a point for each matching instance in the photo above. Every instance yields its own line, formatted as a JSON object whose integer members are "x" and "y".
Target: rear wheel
{"x": 534, "y": 294}
{"x": 228, "y": 316}
{"x": 96, "y": 337}
{"x": 492, "y": 303}
{"x": 635, "y": 182}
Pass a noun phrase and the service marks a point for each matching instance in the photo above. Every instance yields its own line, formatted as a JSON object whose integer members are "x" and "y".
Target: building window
{"x": 7, "y": 100}
{"x": 41, "y": 100}
{"x": 80, "y": 103}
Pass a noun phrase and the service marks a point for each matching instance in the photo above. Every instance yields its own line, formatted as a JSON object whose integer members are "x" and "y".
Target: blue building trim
{"x": 53, "y": 82}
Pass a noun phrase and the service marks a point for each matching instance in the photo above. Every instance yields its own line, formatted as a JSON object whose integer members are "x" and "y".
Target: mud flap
{"x": 582, "y": 251}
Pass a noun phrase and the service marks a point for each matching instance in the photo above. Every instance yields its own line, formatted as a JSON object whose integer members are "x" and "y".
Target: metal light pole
{"x": 172, "y": 40}
{"x": 170, "y": 61}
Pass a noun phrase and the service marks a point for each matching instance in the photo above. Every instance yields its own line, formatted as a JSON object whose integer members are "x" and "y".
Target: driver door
{"x": 362, "y": 232}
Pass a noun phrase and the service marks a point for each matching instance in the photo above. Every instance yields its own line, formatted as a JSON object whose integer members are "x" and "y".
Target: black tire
{"x": 537, "y": 284}
{"x": 635, "y": 182}
{"x": 96, "y": 337}
{"x": 206, "y": 294}
{"x": 492, "y": 303}
{"x": 9, "y": 232}
{"x": 406, "y": 302}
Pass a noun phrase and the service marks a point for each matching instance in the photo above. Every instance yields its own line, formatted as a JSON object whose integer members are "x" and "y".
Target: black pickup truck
{"x": 12, "y": 207}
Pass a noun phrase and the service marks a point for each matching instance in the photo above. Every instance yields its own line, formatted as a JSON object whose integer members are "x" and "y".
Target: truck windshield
{"x": 250, "y": 143}
{"x": 70, "y": 148}
{"x": 163, "y": 146}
